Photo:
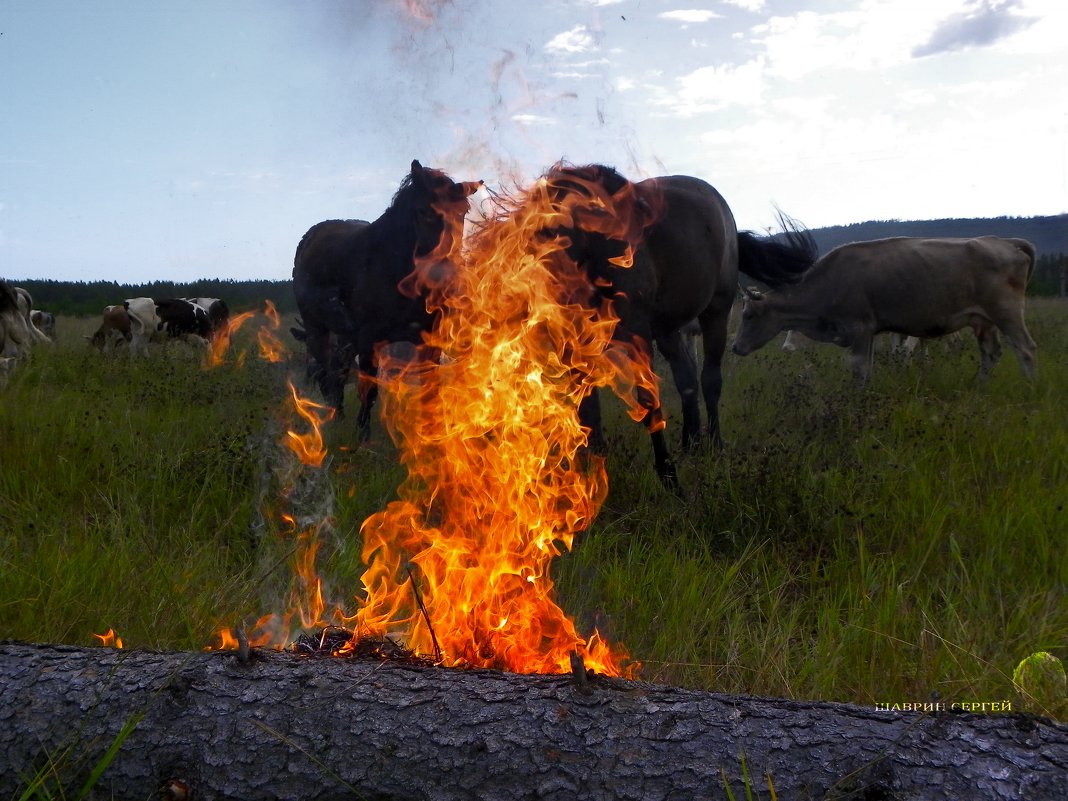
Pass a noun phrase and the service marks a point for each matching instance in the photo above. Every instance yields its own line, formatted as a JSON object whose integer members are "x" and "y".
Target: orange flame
{"x": 110, "y": 638}
{"x": 271, "y": 347}
{"x": 497, "y": 484}
{"x": 220, "y": 343}
{"x": 308, "y": 447}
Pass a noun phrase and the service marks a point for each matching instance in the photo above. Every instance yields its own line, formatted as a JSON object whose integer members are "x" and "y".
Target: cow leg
{"x": 861, "y": 352}
{"x": 1022, "y": 345}
{"x": 714, "y": 335}
{"x": 989, "y": 348}
{"x": 684, "y": 371}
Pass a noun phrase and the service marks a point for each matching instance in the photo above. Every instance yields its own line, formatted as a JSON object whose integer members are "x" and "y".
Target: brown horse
{"x": 349, "y": 278}
{"x": 687, "y": 253}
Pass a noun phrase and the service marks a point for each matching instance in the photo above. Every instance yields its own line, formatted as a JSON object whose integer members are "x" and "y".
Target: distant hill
{"x": 1049, "y": 234}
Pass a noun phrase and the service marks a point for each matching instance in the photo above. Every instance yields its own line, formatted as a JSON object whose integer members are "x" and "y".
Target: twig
{"x": 426, "y": 615}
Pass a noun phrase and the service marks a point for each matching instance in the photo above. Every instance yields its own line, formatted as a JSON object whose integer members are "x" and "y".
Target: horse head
{"x": 601, "y": 213}
{"x": 436, "y": 206}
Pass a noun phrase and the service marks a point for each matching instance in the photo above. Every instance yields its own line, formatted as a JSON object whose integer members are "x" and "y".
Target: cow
{"x": 145, "y": 324}
{"x": 45, "y": 322}
{"x": 25, "y": 306}
{"x": 180, "y": 318}
{"x": 217, "y": 310}
{"x": 14, "y": 337}
{"x": 16, "y": 331}
{"x": 114, "y": 329}
{"x": 912, "y": 286}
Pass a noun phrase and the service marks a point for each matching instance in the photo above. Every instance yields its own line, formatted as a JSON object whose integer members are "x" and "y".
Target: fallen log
{"x": 280, "y": 725}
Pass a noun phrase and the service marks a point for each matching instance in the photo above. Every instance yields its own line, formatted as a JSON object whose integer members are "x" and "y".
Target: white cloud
{"x": 533, "y": 119}
{"x": 877, "y": 34}
{"x": 715, "y": 87}
{"x": 747, "y": 5}
{"x": 689, "y": 15}
{"x": 577, "y": 40}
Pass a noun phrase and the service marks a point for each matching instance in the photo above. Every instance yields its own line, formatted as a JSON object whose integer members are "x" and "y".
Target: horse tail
{"x": 780, "y": 259}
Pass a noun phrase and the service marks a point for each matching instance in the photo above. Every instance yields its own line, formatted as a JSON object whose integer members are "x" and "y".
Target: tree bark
{"x": 286, "y": 726}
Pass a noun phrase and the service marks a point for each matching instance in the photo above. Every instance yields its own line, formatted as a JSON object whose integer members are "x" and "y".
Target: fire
{"x": 110, "y": 639}
{"x": 497, "y": 483}
{"x": 271, "y": 347}
{"x": 308, "y": 447}
{"x": 220, "y": 343}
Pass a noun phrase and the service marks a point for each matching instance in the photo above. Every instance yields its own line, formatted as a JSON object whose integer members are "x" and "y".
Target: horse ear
{"x": 470, "y": 187}
{"x": 416, "y": 166}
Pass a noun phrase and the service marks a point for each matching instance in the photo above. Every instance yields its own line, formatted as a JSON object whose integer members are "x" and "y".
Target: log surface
{"x": 294, "y": 727}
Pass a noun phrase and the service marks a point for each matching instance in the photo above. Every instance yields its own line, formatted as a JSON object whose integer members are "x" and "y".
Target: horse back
{"x": 324, "y": 254}
{"x": 691, "y": 248}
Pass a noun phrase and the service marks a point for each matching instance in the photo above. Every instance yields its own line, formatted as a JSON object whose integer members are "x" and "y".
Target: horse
{"x": 355, "y": 281}
{"x": 686, "y": 256}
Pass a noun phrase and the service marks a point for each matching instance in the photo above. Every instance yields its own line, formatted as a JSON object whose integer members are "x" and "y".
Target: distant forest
{"x": 88, "y": 298}
{"x": 1049, "y": 234}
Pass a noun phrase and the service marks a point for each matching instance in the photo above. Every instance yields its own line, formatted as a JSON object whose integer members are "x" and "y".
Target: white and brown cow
{"x": 16, "y": 331}
{"x": 114, "y": 329}
{"x": 25, "y": 304}
{"x": 916, "y": 287}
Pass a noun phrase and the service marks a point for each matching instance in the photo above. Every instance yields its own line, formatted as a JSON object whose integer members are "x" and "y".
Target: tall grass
{"x": 896, "y": 544}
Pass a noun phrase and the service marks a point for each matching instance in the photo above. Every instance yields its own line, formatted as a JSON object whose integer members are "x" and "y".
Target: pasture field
{"x": 899, "y": 544}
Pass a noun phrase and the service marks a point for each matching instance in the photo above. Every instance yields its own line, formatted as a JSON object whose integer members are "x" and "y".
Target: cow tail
{"x": 1028, "y": 248}
{"x": 780, "y": 259}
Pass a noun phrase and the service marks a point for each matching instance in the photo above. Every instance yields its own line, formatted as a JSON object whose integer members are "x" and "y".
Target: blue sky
{"x": 154, "y": 141}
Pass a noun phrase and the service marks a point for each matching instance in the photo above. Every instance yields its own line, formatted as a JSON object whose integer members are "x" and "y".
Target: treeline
{"x": 1048, "y": 234}
{"x": 82, "y": 298}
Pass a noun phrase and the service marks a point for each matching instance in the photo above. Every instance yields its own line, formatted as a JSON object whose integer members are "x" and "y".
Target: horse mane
{"x": 781, "y": 259}
{"x": 568, "y": 176}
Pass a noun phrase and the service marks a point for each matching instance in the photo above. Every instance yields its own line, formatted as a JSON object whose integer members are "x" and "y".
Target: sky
{"x": 200, "y": 139}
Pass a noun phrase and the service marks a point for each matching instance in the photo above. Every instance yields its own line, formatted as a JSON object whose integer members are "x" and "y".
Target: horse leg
{"x": 714, "y": 334}
{"x": 684, "y": 371}
{"x": 368, "y": 392}
{"x": 654, "y": 415}
{"x": 321, "y": 368}
{"x": 589, "y": 413}
{"x": 654, "y": 422}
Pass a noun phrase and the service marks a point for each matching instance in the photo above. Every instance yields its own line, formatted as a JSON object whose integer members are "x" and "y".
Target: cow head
{"x": 760, "y": 323}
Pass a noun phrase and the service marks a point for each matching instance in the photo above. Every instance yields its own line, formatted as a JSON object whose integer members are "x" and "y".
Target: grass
{"x": 896, "y": 544}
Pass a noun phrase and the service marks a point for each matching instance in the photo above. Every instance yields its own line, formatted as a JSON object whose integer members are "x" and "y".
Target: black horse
{"x": 356, "y": 282}
{"x": 687, "y": 253}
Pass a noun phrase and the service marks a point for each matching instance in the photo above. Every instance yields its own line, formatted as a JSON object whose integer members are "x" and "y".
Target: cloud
{"x": 747, "y": 5}
{"x": 689, "y": 15}
{"x": 577, "y": 40}
{"x": 984, "y": 23}
{"x": 533, "y": 119}
{"x": 715, "y": 87}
